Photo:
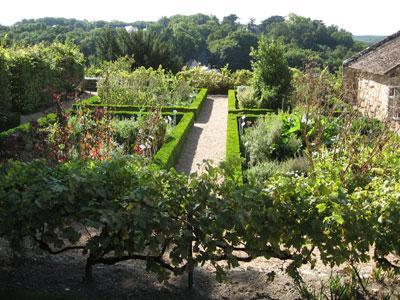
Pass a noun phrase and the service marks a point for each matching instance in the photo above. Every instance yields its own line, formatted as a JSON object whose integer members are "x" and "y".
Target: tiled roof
{"x": 380, "y": 58}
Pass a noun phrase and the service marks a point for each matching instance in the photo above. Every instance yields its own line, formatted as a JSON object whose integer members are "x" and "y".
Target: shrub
{"x": 260, "y": 173}
{"x": 30, "y": 79}
{"x": 271, "y": 74}
{"x": 242, "y": 77}
{"x": 39, "y": 72}
{"x": 217, "y": 81}
{"x": 270, "y": 139}
{"x": 246, "y": 97}
{"x": 124, "y": 63}
{"x": 67, "y": 65}
{"x": 8, "y": 119}
{"x": 144, "y": 87}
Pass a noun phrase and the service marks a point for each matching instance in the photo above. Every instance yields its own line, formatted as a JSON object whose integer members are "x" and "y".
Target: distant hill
{"x": 368, "y": 39}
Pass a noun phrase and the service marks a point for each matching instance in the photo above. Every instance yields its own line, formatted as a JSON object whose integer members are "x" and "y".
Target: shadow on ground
{"x": 205, "y": 112}
{"x": 61, "y": 278}
{"x": 189, "y": 150}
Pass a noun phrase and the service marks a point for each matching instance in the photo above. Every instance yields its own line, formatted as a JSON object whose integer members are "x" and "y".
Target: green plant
{"x": 246, "y": 97}
{"x": 125, "y": 132}
{"x": 242, "y": 77}
{"x": 144, "y": 87}
{"x": 261, "y": 172}
{"x": 216, "y": 81}
{"x": 39, "y": 72}
{"x": 168, "y": 155}
{"x": 275, "y": 138}
{"x": 233, "y": 155}
{"x": 271, "y": 74}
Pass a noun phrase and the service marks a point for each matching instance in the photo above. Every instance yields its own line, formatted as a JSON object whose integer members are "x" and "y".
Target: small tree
{"x": 271, "y": 74}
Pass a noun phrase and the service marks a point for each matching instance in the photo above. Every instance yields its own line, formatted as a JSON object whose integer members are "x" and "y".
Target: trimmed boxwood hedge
{"x": 169, "y": 153}
{"x": 195, "y": 107}
{"x": 233, "y": 154}
{"x": 43, "y": 121}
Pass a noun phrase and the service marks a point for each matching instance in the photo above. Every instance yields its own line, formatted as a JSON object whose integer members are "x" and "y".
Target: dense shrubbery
{"x": 38, "y": 72}
{"x": 216, "y": 81}
{"x": 271, "y": 75}
{"x": 8, "y": 118}
{"x": 144, "y": 87}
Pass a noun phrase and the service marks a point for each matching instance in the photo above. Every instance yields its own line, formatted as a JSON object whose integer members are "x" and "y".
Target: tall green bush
{"x": 8, "y": 119}
{"x": 30, "y": 78}
{"x": 67, "y": 65}
{"x": 39, "y": 71}
{"x": 271, "y": 74}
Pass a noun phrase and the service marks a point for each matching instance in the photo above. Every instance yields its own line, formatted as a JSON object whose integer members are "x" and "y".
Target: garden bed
{"x": 164, "y": 157}
{"x": 194, "y": 107}
{"x": 233, "y": 106}
{"x": 234, "y": 148}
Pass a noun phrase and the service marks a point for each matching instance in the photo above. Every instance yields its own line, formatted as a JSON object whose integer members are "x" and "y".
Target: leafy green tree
{"x": 234, "y": 50}
{"x": 150, "y": 51}
{"x": 271, "y": 74}
{"x": 107, "y": 45}
{"x": 265, "y": 25}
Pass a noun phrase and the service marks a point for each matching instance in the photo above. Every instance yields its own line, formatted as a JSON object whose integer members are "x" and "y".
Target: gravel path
{"x": 207, "y": 138}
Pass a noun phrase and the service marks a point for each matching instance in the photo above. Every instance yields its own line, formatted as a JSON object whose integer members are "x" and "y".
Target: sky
{"x": 361, "y": 17}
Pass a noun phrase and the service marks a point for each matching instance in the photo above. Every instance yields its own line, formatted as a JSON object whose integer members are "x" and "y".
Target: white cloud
{"x": 357, "y": 16}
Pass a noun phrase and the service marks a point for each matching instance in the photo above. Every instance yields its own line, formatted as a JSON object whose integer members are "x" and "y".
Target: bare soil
{"x": 62, "y": 276}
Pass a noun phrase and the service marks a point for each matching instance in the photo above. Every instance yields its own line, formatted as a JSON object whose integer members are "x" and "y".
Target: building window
{"x": 394, "y": 102}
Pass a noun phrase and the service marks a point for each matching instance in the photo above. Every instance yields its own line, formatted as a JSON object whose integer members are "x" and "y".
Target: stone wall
{"x": 369, "y": 93}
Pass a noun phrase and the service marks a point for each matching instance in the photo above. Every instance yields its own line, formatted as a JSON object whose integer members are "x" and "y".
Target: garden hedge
{"x": 233, "y": 107}
{"x": 23, "y": 128}
{"x": 195, "y": 107}
{"x": 39, "y": 72}
{"x": 169, "y": 153}
{"x": 8, "y": 118}
{"x": 233, "y": 154}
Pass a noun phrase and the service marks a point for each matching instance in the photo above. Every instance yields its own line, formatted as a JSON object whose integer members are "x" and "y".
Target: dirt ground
{"x": 61, "y": 277}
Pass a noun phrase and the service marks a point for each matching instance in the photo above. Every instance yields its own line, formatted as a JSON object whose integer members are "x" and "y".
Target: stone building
{"x": 372, "y": 80}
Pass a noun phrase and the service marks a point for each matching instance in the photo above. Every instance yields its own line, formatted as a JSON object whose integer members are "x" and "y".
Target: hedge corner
{"x": 169, "y": 153}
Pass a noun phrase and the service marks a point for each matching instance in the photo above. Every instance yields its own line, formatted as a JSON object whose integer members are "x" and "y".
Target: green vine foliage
{"x": 344, "y": 205}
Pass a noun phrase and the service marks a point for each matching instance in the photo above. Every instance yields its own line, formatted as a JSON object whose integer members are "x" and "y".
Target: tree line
{"x": 175, "y": 41}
